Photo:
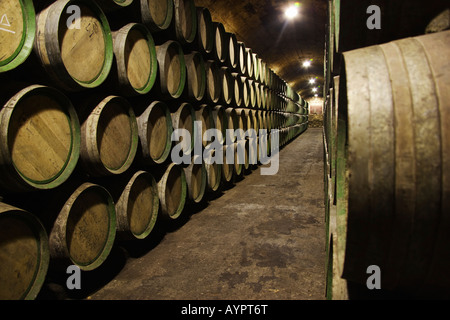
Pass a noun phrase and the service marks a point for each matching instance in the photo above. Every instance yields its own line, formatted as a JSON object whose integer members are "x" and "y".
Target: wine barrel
{"x": 79, "y": 56}
{"x": 239, "y": 160}
{"x": 233, "y": 51}
{"x": 196, "y": 180}
{"x": 227, "y": 81}
{"x": 213, "y": 82}
{"x": 109, "y": 137}
{"x": 255, "y": 62}
{"x": 237, "y": 90}
{"x": 245, "y": 91}
{"x": 172, "y": 69}
{"x": 39, "y": 140}
{"x": 157, "y": 15}
{"x": 18, "y": 29}
{"x": 196, "y": 76}
{"x": 220, "y": 121}
{"x": 185, "y": 21}
{"x": 252, "y": 93}
{"x": 172, "y": 192}
{"x": 84, "y": 231}
{"x": 242, "y": 58}
{"x": 214, "y": 173}
{"x": 262, "y": 70}
{"x": 24, "y": 253}
{"x": 184, "y": 118}
{"x": 137, "y": 67}
{"x": 155, "y": 132}
{"x": 232, "y": 123}
{"x": 393, "y": 209}
{"x": 221, "y": 42}
{"x": 136, "y": 203}
{"x": 203, "y": 113}
{"x": 205, "y": 32}
{"x": 249, "y": 62}
{"x": 227, "y": 166}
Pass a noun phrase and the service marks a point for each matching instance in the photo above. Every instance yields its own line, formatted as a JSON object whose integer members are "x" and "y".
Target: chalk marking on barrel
{"x": 6, "y": 24}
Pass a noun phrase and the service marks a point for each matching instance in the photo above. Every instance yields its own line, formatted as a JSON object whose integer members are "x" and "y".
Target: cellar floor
{"x": 263, "y": 238}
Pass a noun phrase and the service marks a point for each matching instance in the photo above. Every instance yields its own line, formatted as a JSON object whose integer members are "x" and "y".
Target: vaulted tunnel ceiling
{"x": 283, "y": 44}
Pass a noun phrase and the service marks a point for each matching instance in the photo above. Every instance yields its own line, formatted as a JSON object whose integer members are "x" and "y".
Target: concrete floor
{"x": 263, "y": 239}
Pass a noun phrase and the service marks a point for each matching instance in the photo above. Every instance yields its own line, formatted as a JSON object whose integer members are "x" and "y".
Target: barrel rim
{"x": 162, "y": 56}
{"x": 190, "y": 58}
{"x": 209, "y": 33}
{"x": 162, "y": 189}
{"x": 194, "y": 162}
{"x": 75, "y": 129}
{"x": 40, "y": 233}
{"x": 26, "y": 44}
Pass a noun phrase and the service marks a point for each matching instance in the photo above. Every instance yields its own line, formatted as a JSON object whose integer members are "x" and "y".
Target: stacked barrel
{"x": 387, "y": 166}
{"x": 92, "y": 95}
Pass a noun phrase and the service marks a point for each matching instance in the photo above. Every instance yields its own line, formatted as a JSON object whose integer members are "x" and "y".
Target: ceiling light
{"x": 312, "y": 80}
{"x": 307, "y": 63}
{"x": 314, "y": 89}
{"x": 292, "y": 11}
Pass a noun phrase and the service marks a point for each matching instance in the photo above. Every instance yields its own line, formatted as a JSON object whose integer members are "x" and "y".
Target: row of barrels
{"x": 387, "y": 167}
{"x": 151, "y": 44}
{"x": 87, "y": 149}
{"x": 85, "y": 173}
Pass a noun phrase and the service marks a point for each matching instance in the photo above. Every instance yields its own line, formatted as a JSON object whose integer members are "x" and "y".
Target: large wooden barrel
{"x": 203, "y": 113}
{"x": 249, "y": 62}
{"x": 252, "y": 93}
{"x": 84, "y": 231}
{"x": 109, "y": 137}
{"x": 39, "y": 140}
{"x": 196, "y": 76}
{"x": 242, "y": 58}
{"x": 227, "y": 81}
{"x": 24, "y": 254}
{"x": 227, "y": 166}
{"x": 233, "y": 51}
{"x": 172, "y": 190}
{"x": 155, "y": 132}
{"x": 256, "y": 66}
{"x": 214, "y": 173}
{"x": 196, "y": 179}
{"x": 245, "y": 91}
{"x": 220, "y": 120}
{"x": 237, "y": 90}
{"x": 393, "y": 164}
{"x": 137, "y": 67}
{"x": 184, "y": 118}
{"x": 221, "y": 43}
{"x": 172, "y": 69}
{"x": 136, "y": 202}
{"x": 205, "y": 32}
{"x": 113, "y": 5}
{"x": 156, "y": 15}
{"x": 185, "y": 21}
{"x": 213, "y": 81}
{"x": 78, "y": 57}
{"x": 17, "y": 32}
{"x": 232, "y": 123}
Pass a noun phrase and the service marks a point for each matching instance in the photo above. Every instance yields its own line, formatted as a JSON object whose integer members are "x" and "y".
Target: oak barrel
{"x": 393, "y": 163}
{"x": 109, "y": 137}
{"x": 172, "y": 190}
{"x": 227, "y": 81}
{"x": 221, "y": 43}
{"x": 196, "y": 76}
{"x": 213, "y": 82}
{"x": 184, "y": 118}
{"x": 205, "y": 32}
{"x": 39, "y": 141}
{"x": 156, "y": 15}
{"x": 84, "y": 231}
{"x": 77, "y": 56}
{"x": 17, "y": 32}
{"x": 172, "y": 69}
{"x": 135, "y": 53}
{"x": 185, "y": 21}
{"x": 155, "y": 132}
{"x": 196, "y": 179}
{"x": 24, "y": 253}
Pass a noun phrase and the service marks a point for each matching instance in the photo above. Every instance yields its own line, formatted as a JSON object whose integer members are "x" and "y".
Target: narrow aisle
{"x": 262, "y": 239}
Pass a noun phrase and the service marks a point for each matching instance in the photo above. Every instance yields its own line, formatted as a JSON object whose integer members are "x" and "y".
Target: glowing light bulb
{"x": 307, "y": 63}
{"x": 312, "y": 80}
{"x": 314, "y": 89}
{"x": 292, "y": 11}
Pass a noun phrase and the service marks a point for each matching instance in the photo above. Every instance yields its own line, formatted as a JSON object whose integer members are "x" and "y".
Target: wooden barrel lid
{"x": 156, "y": 15}
{"x": 205, "y": 31}
{"x": 196, "y": 75}
{"x": 172, "y": 68}
{"x": 172, "y": 191}
{"x": 185, "y": 21}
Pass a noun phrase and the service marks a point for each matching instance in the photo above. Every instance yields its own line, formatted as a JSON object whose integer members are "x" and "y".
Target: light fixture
{"x": 292, "y": 11}
{"x": 307, "y": 63}
{"x": 312, "y": 81}
{"x": 316, "y": 95}
{"x": 314, "y": 89}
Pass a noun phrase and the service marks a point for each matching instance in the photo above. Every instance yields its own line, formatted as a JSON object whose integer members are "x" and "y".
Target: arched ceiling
{"x": 284, "y": 44}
